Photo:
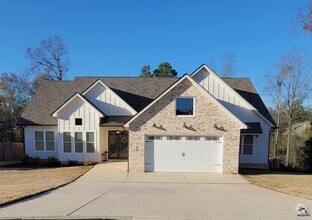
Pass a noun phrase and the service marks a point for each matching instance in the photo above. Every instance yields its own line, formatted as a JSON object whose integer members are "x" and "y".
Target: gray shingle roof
{"x": 137, "y": 92}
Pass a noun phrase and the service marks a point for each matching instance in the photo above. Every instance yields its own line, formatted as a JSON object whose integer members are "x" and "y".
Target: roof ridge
{"x": 121, "y": 77}
{"x": 230, "y": 77}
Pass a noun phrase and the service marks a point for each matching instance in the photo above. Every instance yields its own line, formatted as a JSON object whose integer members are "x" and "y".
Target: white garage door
{"x": 183, "y": 154}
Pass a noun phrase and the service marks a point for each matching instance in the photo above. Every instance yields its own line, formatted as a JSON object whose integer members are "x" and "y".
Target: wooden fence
{"x": 15, "y": 152}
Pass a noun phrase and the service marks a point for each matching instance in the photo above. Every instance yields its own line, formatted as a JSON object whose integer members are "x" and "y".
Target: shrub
{"x": 52, "y": 162}
{"x": 87, "y": 162}
{"x": 26, "y": 159}
{"x": 36, "y": 161}
{"x": 72, "y": 163}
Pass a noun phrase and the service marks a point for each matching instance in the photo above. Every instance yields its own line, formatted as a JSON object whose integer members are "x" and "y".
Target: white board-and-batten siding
{"x": 241, "y": 109}
{"x": 108, "y": 101}
{"x": 78, "y": 108}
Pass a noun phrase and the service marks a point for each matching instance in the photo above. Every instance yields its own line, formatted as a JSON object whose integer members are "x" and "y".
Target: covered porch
{"x": 113, "y": 138}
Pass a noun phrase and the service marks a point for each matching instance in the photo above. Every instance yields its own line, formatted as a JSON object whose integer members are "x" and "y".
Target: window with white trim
{"x": 90, "y": 142}
{"x": 44, "y": 141}
{"x": 49, "y": 139}
{"x": 246, "y": 145}
{"x": 39, "y": 140}
{"x": 185, "y": 106}
{"x": 66, "y": 142}
{"x": 78, "y": 142}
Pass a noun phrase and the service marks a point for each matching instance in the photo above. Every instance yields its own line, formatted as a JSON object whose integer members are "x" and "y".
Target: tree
{"x": 165, "y": 70}
{"x": 13, "y": 97}
{"x": 39, "y": 78}
{"x": 228, "y": 61}
{"x": 308, "y": 155}
{"x": 303, "y": 24}
{"x": 146, "y": 71}
{"x": 290, "y": 82}
{"x": 49, "y": 58}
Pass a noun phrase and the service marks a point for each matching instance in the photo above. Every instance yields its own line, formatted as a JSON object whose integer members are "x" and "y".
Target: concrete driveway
{"x": 108, "y": 191}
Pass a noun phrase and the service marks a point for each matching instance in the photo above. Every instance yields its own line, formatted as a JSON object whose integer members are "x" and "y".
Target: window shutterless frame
{"x": 90, "y": 145}
{"x": 67, "y": 140}
{"x": 78, "y": 142}
{"x": 178, "y": 101}
{"x": 44, "y": 141}
{"x": 246, "y": 141}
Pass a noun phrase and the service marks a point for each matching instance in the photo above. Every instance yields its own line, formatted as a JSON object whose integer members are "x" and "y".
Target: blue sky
{"x": 116, "y": 38}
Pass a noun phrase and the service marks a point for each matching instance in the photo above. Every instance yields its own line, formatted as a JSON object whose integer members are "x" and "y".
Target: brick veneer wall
{"x": 207, "y": 115}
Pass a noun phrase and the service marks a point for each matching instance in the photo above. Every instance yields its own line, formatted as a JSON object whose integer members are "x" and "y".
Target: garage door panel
{"x": 184, "y": 155}
{"x": 167, "y": 154}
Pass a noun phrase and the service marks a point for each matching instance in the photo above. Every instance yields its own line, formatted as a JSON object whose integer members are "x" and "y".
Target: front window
{"x": 78, "y": 142}
{"x": 185, "y": 106}
{"x": 90, "y": 142}
{"x": 49, "y": 137}
{"x": 39, "y": 141}
{"x": 44, "y": 140}
{"x": 247, "y": 144}
{"x": 66, "y": 142}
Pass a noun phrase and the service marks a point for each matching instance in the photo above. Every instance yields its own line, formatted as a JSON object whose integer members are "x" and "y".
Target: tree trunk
{"x": 276, "y": 135}
{"x": 288, "y": 144}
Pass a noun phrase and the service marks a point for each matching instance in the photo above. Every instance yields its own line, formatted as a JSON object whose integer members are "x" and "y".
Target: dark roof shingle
{"x": 137, "y": 92}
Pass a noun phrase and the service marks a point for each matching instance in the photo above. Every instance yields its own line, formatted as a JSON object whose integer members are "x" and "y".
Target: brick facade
{"x": 208, "y": 115}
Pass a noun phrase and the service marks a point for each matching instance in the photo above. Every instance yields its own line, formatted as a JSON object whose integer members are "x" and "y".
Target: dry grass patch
{"x": 20, "y": 182}
{"x": 296, "y": 184}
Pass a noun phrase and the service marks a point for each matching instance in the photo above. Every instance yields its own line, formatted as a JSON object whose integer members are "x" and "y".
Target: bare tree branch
{"x": 293, "y": 72}
{"x": 49, "y": 58}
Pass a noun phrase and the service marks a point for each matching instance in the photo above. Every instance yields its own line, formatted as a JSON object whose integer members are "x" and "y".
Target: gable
{"x": 178, "y": 89}
{"x": 236, "y": 101}
{"x": 77, "y": 107}
{"x": 76, "y": 98}
{"x": 218, "y": 88}
{"x": 108, "y": 101}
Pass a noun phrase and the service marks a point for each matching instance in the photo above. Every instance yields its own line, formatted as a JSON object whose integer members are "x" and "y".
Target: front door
{"x": 118, "y": 145}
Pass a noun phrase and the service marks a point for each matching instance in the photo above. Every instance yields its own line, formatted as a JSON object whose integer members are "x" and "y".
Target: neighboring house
{"x": 299, "y": 128}
{"x": 196, "y": 123}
